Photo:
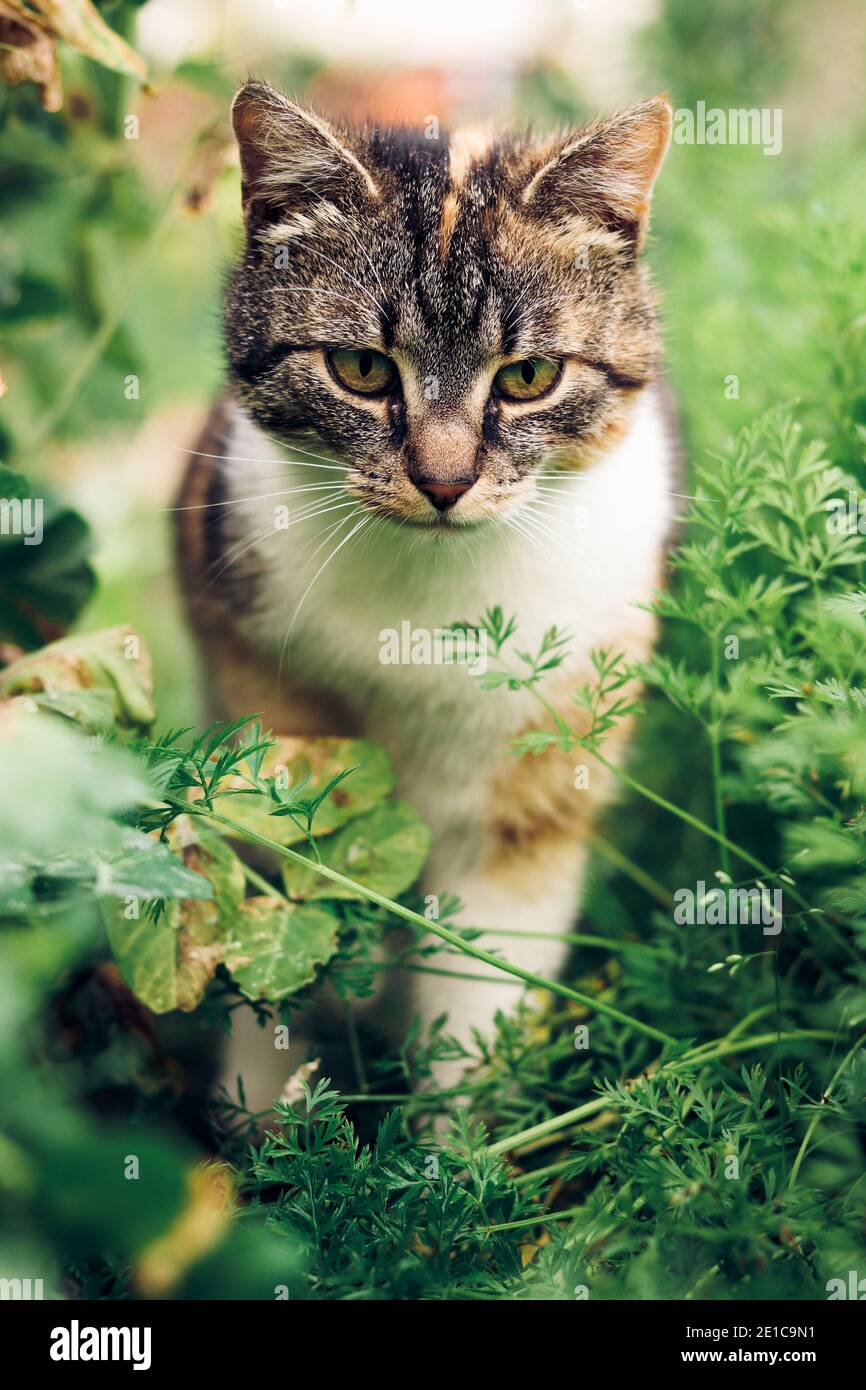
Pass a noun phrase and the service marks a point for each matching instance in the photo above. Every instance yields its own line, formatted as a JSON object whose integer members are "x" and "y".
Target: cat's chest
{"x": 384, "y": 638}
{"x": 361, "y": 611}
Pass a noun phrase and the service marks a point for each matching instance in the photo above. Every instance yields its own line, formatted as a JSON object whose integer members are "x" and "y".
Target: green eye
{"x": 362, "y": 370}
{"x": 526, "y": 379}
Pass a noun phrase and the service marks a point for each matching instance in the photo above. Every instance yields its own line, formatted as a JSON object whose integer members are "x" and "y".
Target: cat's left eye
{"x": 363, "y": 370}
{"x": 527, "y": 379}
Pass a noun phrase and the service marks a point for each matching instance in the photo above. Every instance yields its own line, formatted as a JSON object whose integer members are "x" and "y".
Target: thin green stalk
{"x": 538, "y": 1220}
{"x": 819, "y": 1114}
{"x": 448, "y": 974}
{"x": 727, "y": 1047}
{"x": 415, "y": 918}
{"x": 605, "y": 943}
{"x": 740, "y": 1027}
{"x": 259, "y": 881}
{"x": 716, "y": 770}
{"x": 615, "y": 856}
{"x": 550, "y": 1170}
{"x": 634, "y": 785}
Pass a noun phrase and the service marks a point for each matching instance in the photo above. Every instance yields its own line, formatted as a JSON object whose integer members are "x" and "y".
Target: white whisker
{"x": 538, "y": 525}
{"x": 377, "y": 305}
{"x": 357, "y": 527}
{"x": 243, "y": 458}
{"x": 236, "y": 552}
{"x": 513, "y": 526}
{"x": 310, "y": 453}
{"x": 335, "y": 487}
{"x": 585, "y": 478}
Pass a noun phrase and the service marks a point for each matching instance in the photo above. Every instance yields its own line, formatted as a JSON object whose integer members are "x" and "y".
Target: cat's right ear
{"x": 290, "y": 155}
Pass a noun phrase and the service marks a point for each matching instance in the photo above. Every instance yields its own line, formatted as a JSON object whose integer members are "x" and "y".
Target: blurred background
{"x": 120, "y": 217}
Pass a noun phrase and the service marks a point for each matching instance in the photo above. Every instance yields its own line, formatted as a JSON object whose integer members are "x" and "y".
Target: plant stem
{"x": 727, "y": 1047}
{"x": 468, "y": 948}
{"x": 716, "y": 770}
{"x": 259, "y": 881}
{"x": 614, "y": 856}
{"x": 819, "y": 1114}
{"x": 605, "y": 943}
{"x": 538, "y": 1220}
{"x": 448, "y": 974}
{"x": 634, "y": 785}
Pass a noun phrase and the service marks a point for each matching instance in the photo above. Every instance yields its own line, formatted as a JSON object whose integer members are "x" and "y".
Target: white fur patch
{"x": 323, "y": 217}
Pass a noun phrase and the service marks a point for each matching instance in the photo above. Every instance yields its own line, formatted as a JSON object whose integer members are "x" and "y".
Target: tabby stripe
{"x": 263, "y": 360}
{"x": 620, "y": 380}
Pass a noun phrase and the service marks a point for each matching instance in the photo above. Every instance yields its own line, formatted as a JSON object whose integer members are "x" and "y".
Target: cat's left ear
{"x": 291, "y": 156}
{"x": 607, "y": 171}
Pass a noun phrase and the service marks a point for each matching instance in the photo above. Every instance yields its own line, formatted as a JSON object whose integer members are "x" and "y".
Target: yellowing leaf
{"x": 28, "y": 44}
{"x": 28, "y": 53}
{"x": 81, "y": 25}
{"x": 113, "y": 662}
{"x": 169, "y": 961}
{"x": 199, "y": 1227}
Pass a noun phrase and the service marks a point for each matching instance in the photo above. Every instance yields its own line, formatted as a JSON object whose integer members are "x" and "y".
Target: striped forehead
{"x": 447, "y": 306}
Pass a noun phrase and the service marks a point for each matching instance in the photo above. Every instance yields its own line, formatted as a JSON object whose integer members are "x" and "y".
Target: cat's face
{"x": 443, "y": 316}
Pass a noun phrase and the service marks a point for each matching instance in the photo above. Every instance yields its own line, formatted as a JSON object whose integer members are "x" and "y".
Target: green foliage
{"x": 45, "y": 576}
{"x": 709, "y": 1142}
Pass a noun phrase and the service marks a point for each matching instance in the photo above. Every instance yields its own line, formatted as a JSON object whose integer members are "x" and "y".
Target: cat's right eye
{"x": 362, "y": 370}
{"x": 527, "y": 379}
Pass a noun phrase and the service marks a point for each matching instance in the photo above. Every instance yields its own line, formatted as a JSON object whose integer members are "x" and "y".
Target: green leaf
{"x": 308, "y": 765}
{"x": 74, "y": 788}
{"x": 169, "y": 960}
{"x": 45, "y": 576}
{"x": 33, "y": 299}
{"x": 113, "y": 662}
{"x": 142, "y": 868}
{"x": 82, "y": 1189}
{"x": 384, "y": 850}
{"x": 147, "y": 869}
{"x": 277, "y": 946}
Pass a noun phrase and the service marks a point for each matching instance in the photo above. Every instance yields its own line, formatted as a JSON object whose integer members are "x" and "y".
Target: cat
{"x": 443, "y": 357}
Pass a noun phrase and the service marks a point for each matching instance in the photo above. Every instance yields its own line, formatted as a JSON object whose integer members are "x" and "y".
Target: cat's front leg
{"x": 534, "y": 895}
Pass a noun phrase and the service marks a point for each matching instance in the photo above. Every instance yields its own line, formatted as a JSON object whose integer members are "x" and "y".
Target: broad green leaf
{"x": 147, "y": 868}
{"x": 114, "y": 662}
{"x": 278, "y": 945}
{"x": 293, "y": 760}
{"x": 142, "y": 868}
{"x": 384, "y": 850}
{"x": 45, "y": 577}
{"x": 80, "y": 1183}
{"x": 169, "y": 960}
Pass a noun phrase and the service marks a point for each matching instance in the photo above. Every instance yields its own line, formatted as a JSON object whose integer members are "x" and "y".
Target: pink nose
{"x": 444, "y": 495}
